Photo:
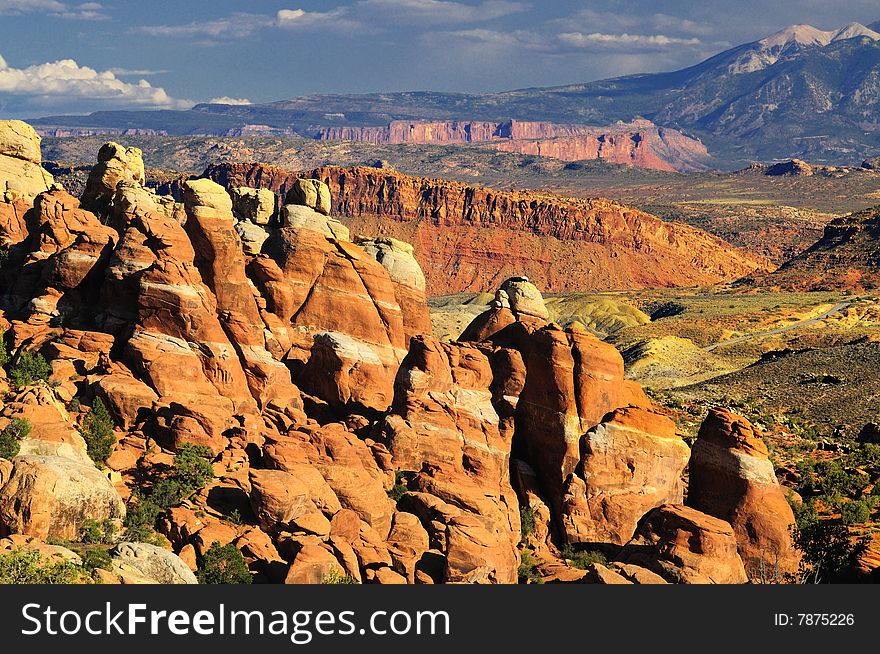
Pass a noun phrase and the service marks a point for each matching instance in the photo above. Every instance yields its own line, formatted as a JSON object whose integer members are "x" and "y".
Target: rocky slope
{"x": 341, "y": 439}
{"x": 639, "y": 143}
{"x": 472, "y": 238}
{"x": 846, "y": 257}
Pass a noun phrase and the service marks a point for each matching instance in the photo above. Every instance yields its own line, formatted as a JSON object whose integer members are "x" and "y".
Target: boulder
{"x": 153, "y": 563}
{"x": 732, "y": 478}
{"x": 524, "y": 298}
{"x": 252, "y": 205}
{"x": 683, "y": 545}
{"x": 51, "y": 496}
{"x": 632, "y": 462}
{"x": 22, "y": 176}
{"x": 116, "y": 163}
{"x": 297, "y": 216}
{"x": 311, "y": 193}
{"x": 312, "y": 564}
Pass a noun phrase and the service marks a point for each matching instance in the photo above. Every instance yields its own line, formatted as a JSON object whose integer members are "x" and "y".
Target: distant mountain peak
{"x": 771, "y": 49}
{"x": 807, "y": 35}
{"x": 854, "y": 30}
{"x": 800, "y": 34}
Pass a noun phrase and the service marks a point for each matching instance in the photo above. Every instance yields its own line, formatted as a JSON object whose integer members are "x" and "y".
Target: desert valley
{"x": 621, "y": 332}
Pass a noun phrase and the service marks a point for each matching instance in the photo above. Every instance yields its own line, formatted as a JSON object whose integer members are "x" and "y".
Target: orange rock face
{"x": 470, "y": 238}
{"x": 732, "y": 478}
{"x": 640, "y": 143}
{"x": 683, "y": 545}
{"x": 443, "y": 427}
{"x": 572, "y": 381}
{"x": 346, "y": 442}
{"x": 632, "y": 462}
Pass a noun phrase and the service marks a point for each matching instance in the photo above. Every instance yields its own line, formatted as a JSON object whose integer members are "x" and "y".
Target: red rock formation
{"x": 632, "y": 462}
{"x": 471, "y": 238}
{"x": 685, "y": 546}
{"x": 443, "y": 426}
{"x": 393, "y": 464}
{"x": 732, "y": 478}
{"x": 640, "y": 143}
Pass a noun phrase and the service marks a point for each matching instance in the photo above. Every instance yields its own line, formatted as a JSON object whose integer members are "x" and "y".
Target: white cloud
{"x": 362, "y": 17}
{"x": 136, "y": 72}
{"x": 82, "y": 11}
{"x": 627, "y": 41}
{"x": 237, "y": 26}
{"x": 588, "y": 20}
{"x": 66, "y": 84}
{"x": 439, "y": 11}
{"x": 232, "y": 101}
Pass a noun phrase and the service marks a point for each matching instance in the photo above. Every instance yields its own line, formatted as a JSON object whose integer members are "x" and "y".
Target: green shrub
{"x": 96, "y": 558}
{"x": 856, "y": 512}
{"x": 527, "y": 522}
{"x": 192, "y": 468}
{"x": 223, "y": 564}
{"x": 95, "y": 532}
{"x": 28, "y": 567}
{"x": 140, "y": 518}
{"x": 829, "y": 553}
{"x": 4, "y": 353}
{"x": 527, "y": 572}
{"x": 397, "y": 491}
{"x": 235, "y": 517}
{"x": 28, "y": 369}
{"x": 98, "y": 432}
{"x": 583, "y": 559}
{"x": 11, "y": 436}
{"x": 336, "y": 578}
{"x": 167, "y": 493}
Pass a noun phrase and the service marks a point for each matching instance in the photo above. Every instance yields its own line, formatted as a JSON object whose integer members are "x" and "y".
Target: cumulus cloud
{"x": 66, "y": 84}
{"x": 232, "y": 101}
{"x": 82, "y": 11}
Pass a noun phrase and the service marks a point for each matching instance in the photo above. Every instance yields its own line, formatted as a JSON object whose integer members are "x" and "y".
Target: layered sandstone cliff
{"x": 638, "y": 143}
{"x": 472, "y": 238}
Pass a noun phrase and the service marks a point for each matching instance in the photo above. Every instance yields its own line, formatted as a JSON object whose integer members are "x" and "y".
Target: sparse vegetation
{"x": 98, "y": 432}
{"x": 528, "y": 573}
{"x": 336, "y": 578}
{"x": 29, "y": 368}
{"x": 829, "y": 552}
{"x": 397, "y": 491}
{"x": 96, "y": 558}
{"x": 527, "y": 522}
{"x": 583, "y": 559}
{"x": 223, "y": 564}
{"x": 95, "y": 532}
{"x": 22, "y": 566}
{"x": 11, "y": 437}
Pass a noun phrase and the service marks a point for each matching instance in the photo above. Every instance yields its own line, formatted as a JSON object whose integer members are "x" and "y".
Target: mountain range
{"x": 801, "y": 92}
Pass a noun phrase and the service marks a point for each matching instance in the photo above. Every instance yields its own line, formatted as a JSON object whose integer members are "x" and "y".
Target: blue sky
{"x": 59, "y": 56}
